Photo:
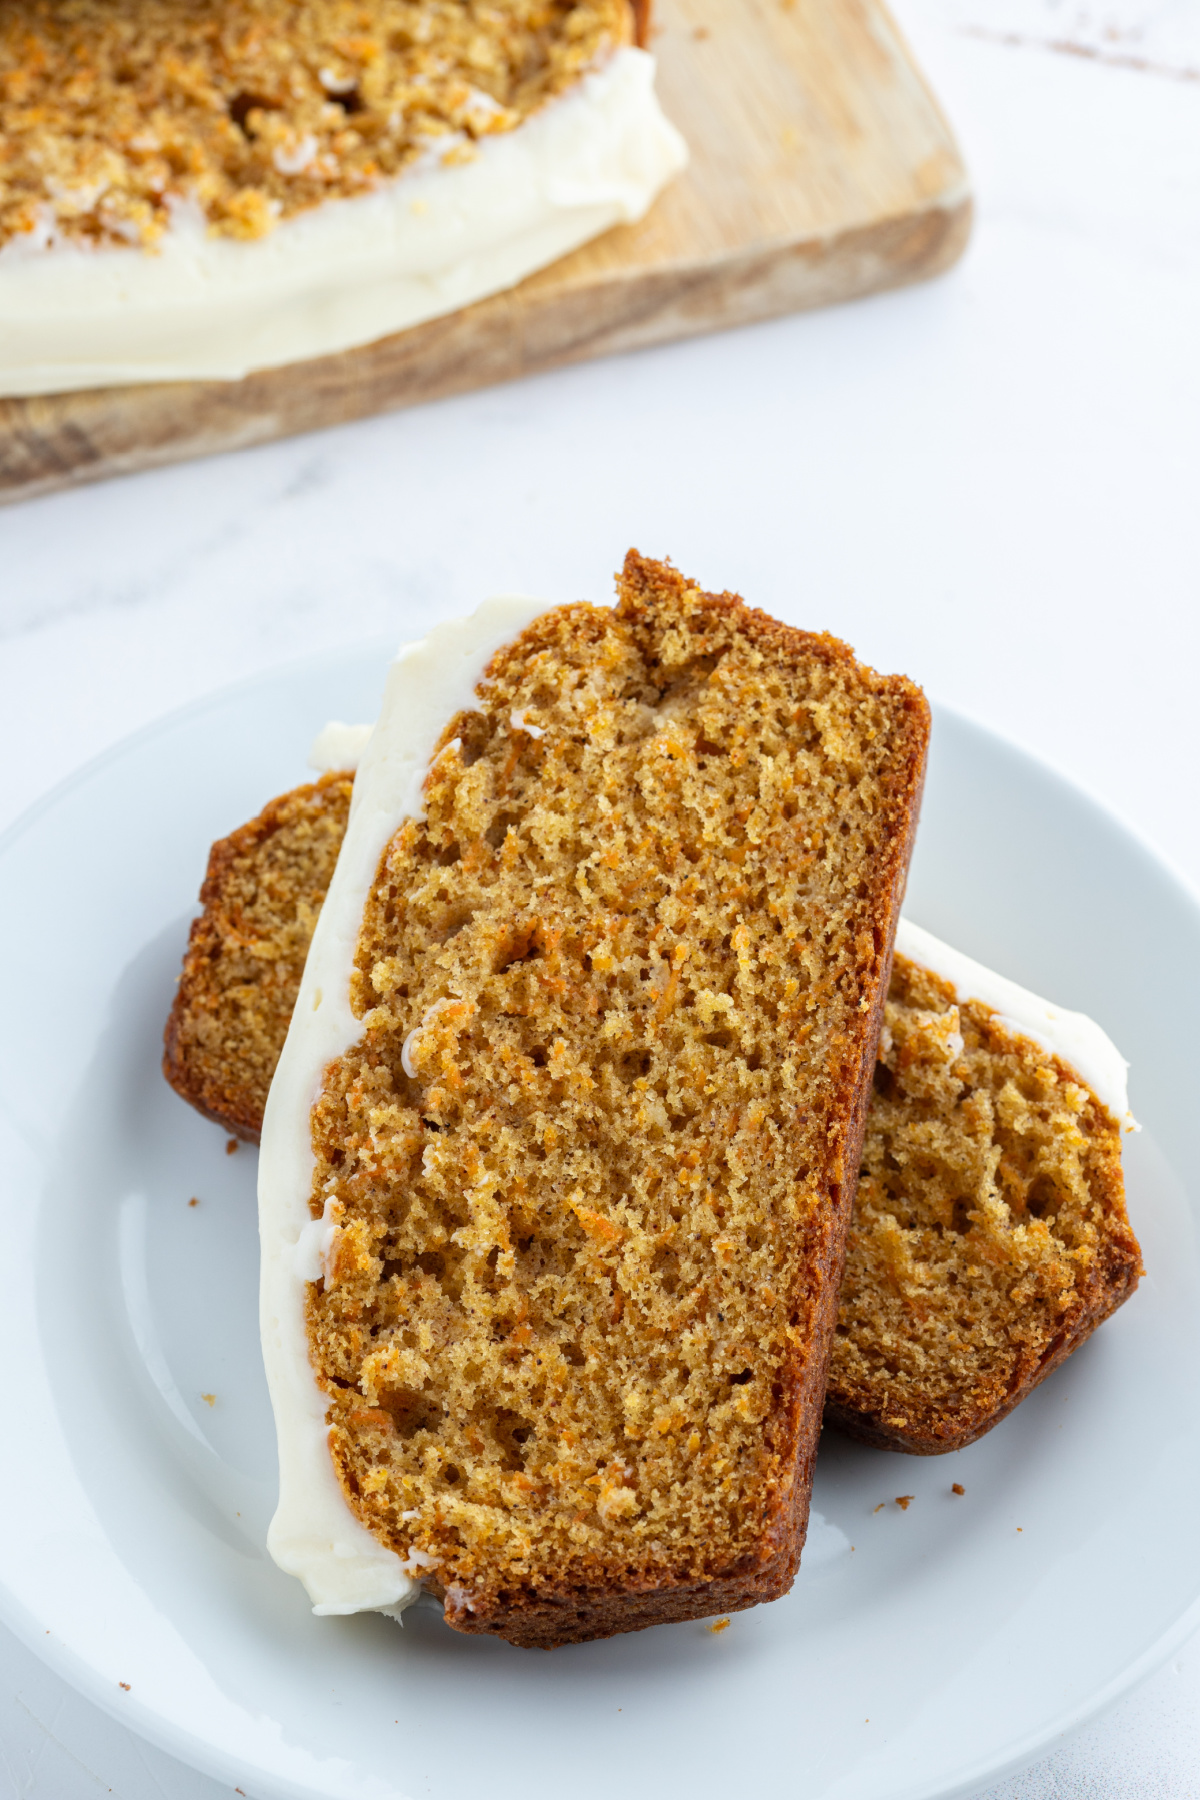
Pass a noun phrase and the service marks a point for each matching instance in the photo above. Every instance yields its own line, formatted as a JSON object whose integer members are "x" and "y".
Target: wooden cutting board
{"x": 821, "y": 169}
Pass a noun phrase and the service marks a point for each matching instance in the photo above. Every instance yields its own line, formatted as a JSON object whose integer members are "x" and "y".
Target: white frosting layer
{"x": 338, "y": 746}
{"x": 348, "y": 271}
{"x": 1072, "y": 1037}
{"x": 314, "y": 1534}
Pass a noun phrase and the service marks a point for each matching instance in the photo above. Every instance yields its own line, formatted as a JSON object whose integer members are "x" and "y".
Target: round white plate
{"x": 923, "y": 1652}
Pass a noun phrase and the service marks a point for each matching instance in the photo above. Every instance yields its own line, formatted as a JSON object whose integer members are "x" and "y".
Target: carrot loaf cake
{"x": 198, "y": 188}
{"x": 558, "y": 1159}
{"x": 990, "y": 1235}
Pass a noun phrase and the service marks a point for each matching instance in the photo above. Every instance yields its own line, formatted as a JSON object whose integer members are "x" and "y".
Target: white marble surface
{"x": 988, "y": 482}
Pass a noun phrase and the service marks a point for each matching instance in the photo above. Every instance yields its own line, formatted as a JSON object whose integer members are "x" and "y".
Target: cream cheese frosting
{"x": 349, "y": 271}
{"x": 314, "y": 1533}
{"x": 1071, "y": 1036}
{"x": 338, "y": 747}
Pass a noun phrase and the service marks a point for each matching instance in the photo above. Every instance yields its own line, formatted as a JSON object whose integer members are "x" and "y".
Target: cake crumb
{"x": 983, "y": 1172}
{"x": 193, "y": 1201}
{"x": 258, "y": 892}
{"x": 124, "y": 1684}
{"x": 957, "y": 1488}
{"x": 878, "y": 1508}
{"x": 231, "y": 1147}
{"x": 903, "y": 1501}
{"x": 115, "y": 114}
{"x": 209, "y": 1399}
{"x": 609, "y": 1024}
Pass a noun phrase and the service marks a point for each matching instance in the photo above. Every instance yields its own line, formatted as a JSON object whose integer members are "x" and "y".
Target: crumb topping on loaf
{"x": 256, "y": 110}
{"x": 989, "y": 1229}
{"x": 262, "y": 893}
{"x": 589, "y": 1165}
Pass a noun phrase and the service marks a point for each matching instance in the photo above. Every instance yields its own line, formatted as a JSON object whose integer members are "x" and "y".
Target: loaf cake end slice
{"x": 582, "y": 1174}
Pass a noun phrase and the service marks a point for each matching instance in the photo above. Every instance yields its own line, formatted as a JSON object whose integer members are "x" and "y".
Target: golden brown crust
{"x": 940, "y": 1435}
{"x": 574, "y": 1341}
{"x": 990, "y": 1235}
{"x": 261, "y": 895}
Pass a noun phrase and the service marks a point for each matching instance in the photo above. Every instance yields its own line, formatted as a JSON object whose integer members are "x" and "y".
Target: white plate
{"x": 922, "y": 1652}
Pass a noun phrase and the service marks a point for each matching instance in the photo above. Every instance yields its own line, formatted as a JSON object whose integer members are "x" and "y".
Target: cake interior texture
{"x": 591, "y": 1161}
{"x": 255, "y": 110}
{"x": 261, "y": 896}
{"x": 990, "y": 1234}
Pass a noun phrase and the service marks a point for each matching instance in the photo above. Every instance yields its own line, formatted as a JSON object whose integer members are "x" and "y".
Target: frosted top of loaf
{"x": 314, "y": 1534}
{"x": 1071, "y": 1036}
{"x": 435, "y": 238}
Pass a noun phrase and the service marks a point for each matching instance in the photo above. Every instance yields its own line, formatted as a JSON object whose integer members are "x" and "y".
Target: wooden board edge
{"x": 50, "y": 447}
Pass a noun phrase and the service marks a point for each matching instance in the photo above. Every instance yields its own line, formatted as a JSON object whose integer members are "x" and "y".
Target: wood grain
{"x": 822, "y": 169}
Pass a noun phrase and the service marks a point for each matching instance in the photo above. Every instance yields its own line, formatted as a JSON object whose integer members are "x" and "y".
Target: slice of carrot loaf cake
{"x": 558, "y": 1159}
{"x": 945, "y": 1258}
{"x": 990, "y": 1235}
{"x": 199, "y": 188}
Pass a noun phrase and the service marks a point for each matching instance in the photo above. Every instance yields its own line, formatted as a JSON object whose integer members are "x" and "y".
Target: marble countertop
{"x": 988, "y": 482}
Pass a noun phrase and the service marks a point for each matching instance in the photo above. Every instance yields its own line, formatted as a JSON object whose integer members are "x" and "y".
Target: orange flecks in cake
{"x": 254, "y": 110}
{"x": 261, "y": 896}
{"x": 988, "y": 1223}
{"x": 583, "y": 1139}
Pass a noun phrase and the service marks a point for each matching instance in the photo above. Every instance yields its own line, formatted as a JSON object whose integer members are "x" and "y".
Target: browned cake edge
{"x": 1108, "y": 1286}
{"x": 554, "y": 1619}
{"x": 227, "y": 1103}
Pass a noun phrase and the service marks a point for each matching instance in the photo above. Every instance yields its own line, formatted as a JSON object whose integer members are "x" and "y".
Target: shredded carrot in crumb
{"x": 984, "y": 1172}
{"x": 719, "y": 1625}
{"x": 254, "y": 110}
